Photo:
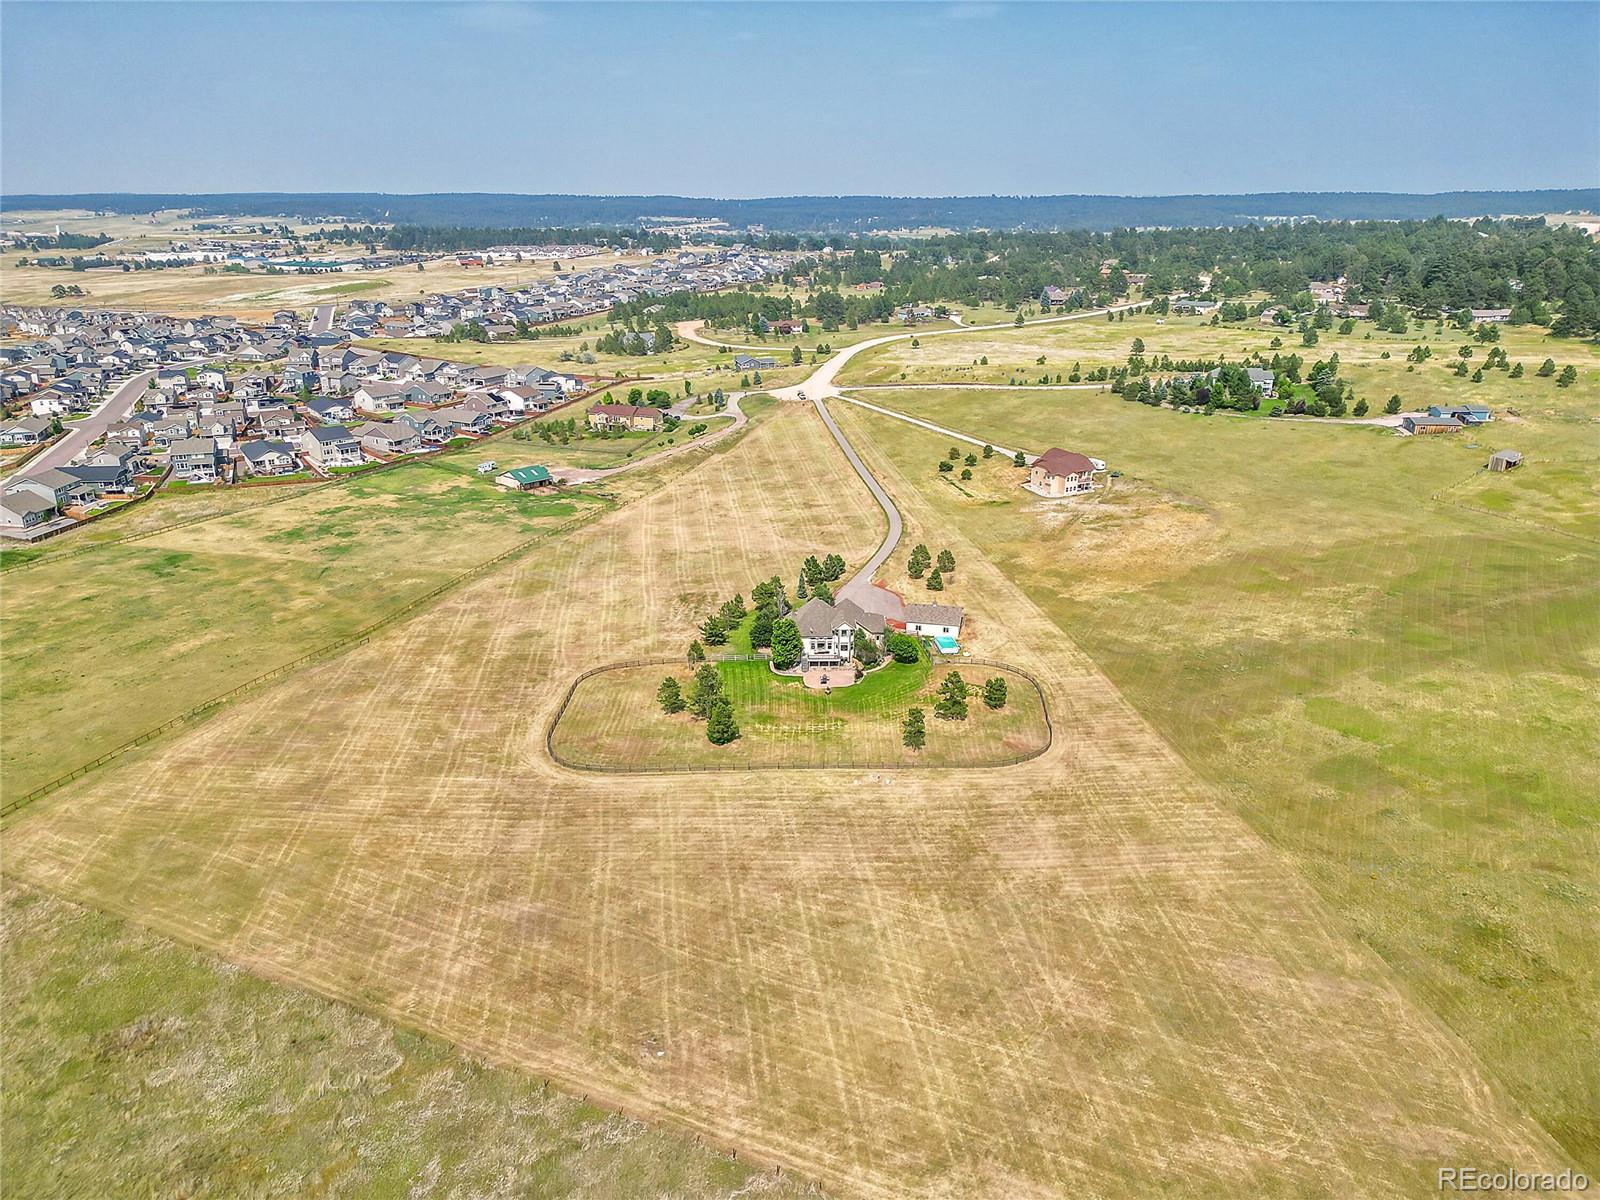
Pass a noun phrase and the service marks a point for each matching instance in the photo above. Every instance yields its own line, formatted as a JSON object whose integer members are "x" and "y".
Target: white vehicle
{"x": 486, "y": 468}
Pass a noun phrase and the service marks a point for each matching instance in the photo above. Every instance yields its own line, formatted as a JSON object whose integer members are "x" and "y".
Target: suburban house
{"x": 380, "y": 397}
{"x": 461, "y": 419}
{"x": 196, "y": 458}
{"x": 388, "y": 437}
{"x": 828, "y": 631}
{"x": 269, "y": 458}
{"x": 25, "y": 431}
{"x": 637, "y": 417}
{"x": 1059, "y": 472}
{"x": 1054, "y": 297}
{"x": 428, "y": 426}
{"x": 746, "y": 362}
{"x": 524, "y": 479}
{"x": 48, "y": 484}
{"x": 1429, "y": 424}
{"x": 330, "y": 411}
{"x": 332, "y": 446}
{"x": 934, "y": 620}
{"x": 23, "y": 509}
{"x": 1491, "y": 316}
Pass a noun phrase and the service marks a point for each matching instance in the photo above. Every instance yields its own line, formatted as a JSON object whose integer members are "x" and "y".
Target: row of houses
{"x": 567, "y": 295}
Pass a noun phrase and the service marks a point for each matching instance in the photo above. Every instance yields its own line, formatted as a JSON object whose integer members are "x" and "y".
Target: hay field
{"x": 1083, "y": 972}
{"x": 613, "y": 722}
{"x": 225, "y": 1084}
{"x": 102, "y": 646}
{"x": 1383, "y": 658}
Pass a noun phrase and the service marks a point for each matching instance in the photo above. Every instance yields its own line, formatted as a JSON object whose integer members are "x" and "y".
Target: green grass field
{"x": 136, "y": 1066}
{"x": 614, "y": 723}
{"x": 1382, "y": 656}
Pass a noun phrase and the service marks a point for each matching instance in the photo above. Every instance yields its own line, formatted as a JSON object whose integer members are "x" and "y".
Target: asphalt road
{"x": 80, "y": 434}
{"x": 322, "y": 318}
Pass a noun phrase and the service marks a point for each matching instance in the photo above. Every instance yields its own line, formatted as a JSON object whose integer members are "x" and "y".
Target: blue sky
{"x": 773, "y": 99}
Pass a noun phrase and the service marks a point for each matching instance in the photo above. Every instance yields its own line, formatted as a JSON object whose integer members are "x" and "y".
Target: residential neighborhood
{"x": 229, "y": 402}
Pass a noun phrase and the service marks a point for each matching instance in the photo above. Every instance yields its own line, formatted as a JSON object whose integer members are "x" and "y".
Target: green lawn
{"x": 1385, "y": 658}
{"x": 614, "y": 723}
{"x": 136, "y": 1066}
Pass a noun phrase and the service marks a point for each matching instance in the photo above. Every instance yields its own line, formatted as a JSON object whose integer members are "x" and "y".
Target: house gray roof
{"x": 193, "y": 445}
{"x": 933, "y": 614}
{"x": 818, "y": 618}
{"x": 26, "y": 503}
{"x": 329, "y": 434}
{"x": 256, "y": 451}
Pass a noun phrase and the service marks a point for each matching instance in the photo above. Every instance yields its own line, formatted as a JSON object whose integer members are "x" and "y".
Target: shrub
{"x": 670, "y": 696}
{"x": 994, "y": 692}
{"x": 903, "y": 648}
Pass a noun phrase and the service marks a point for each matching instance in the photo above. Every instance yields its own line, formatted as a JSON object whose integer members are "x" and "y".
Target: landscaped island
{"x": 612, "y": 721}
{"x": 826, "y": 684}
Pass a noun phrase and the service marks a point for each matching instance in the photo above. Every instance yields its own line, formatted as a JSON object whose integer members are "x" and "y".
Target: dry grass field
{"x": 1381, "y": 656}
{"x": 132, "y": 1059}
{"x": 613, "y": 723}
{"x": 1014, "y": 354}
{"x": 1083, "y": 973}
{"x": 102, "y": 646}
{"x": 706, "y": 366}
{"x": 192, "y": 290}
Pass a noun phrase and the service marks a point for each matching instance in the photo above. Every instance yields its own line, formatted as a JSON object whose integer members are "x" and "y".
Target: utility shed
{"x": 1505, "y": 460}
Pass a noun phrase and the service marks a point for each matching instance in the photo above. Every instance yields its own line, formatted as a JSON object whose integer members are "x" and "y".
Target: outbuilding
{"x": 525, "y": 479}
{"x": 1505, "y": 460}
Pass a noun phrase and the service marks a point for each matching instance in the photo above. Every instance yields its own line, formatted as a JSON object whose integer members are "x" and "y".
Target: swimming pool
{"x": 946, "y": 645}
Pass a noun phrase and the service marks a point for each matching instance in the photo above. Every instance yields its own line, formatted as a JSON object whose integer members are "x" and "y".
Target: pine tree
{"x": 1568, "y": 376}
{"x": 670, "y": 696}
{"x": 714, "y": 631}
{"x": 761, "y": 628}
{"x": 786, "y": 644}
{"x": 914, "y": 732}
{"x": 935, "y": 581}
{"x": 697, "y": 652}
{"x": 706, "y": 688}
{"x": 994, "y": 692}
{"x": 988, "y": 451}
{"x": 1019, "y": 459}
{"x": 1547, "y": 369}
{"x": 720, "y": 725}
{"x": 947, "y": 562}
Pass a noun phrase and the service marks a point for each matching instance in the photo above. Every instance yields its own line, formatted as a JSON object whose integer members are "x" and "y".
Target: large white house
{"x": 828, "y": 631}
